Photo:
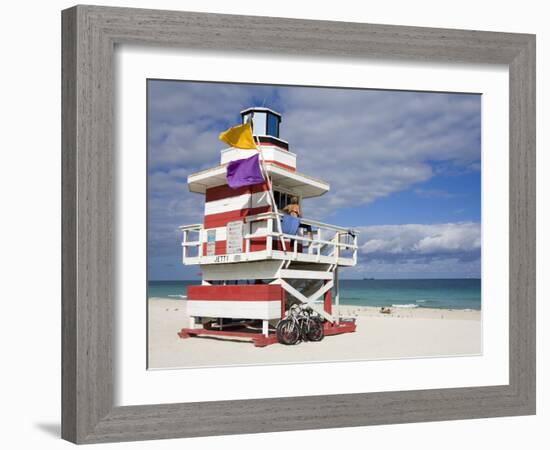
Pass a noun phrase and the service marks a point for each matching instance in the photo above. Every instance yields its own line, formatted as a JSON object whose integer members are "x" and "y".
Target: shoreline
{"x": 348, "y": 310}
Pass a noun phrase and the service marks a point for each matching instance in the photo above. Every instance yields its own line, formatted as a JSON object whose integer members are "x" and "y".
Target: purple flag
{"x": 244, "y": 172}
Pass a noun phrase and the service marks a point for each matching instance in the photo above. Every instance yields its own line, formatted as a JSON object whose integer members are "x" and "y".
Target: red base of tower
{"x": 242, "y": 331}
{"x": 258, "y": 339}
{"x": 345, "y": 326}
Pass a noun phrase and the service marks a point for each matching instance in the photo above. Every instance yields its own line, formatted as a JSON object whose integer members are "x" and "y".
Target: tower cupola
{"x": 265, "y": 121}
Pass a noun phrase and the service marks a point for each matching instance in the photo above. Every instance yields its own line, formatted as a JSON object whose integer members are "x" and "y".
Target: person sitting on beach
{"x": 293, "y": 209}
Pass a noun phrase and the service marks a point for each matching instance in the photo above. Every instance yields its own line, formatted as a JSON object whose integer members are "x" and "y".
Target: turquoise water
{"x": 447, "y": 294}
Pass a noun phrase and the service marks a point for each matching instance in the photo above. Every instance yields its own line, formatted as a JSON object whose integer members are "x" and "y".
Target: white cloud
{"x": 370, "y": 144}
{"x": 442, "y": 268}
{"x": 419, "y": 251}
{"x": 186, "y": 118}
{"x": 421, "y": 242}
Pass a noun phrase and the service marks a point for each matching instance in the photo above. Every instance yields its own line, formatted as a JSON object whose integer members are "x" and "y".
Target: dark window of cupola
{"x": 272, "y": 125}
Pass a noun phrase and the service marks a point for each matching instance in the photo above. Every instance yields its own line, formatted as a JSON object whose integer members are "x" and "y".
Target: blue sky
{"x": 404, "y": 169}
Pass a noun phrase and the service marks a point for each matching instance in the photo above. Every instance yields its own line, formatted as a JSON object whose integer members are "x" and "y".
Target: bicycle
{"x": 300, "y": 324}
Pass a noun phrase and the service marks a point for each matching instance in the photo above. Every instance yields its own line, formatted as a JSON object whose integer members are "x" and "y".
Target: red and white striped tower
{"x": 249, "y": 277}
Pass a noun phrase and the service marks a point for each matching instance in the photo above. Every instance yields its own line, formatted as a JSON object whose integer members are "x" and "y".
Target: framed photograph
{"x": 264, "y": 228}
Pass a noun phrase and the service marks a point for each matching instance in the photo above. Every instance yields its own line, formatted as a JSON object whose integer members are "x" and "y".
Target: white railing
{"x": 328, "y": 243}
{"x": 325, "y": 237}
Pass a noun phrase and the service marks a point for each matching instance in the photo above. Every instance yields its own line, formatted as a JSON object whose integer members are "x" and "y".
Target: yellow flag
{"x": 239, "y": 136}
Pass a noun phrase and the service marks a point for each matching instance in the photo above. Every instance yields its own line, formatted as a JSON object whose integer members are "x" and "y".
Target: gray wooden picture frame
{"x": 90, "y": 34}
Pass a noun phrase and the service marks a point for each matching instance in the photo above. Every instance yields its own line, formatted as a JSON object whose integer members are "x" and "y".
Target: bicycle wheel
{"x": 288, "y": 332}
{"x": 315, "y": 332}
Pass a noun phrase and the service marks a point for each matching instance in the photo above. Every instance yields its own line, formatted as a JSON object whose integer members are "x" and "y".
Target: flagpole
{"x": 270, "y": 191}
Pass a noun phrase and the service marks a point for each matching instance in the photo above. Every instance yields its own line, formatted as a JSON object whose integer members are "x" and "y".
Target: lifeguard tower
{"x": 251, "y": 271}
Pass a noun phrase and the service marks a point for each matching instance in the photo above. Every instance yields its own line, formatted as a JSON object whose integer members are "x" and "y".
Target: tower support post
{"x": 336, "y": 296}
{"x": 327, "y": 304}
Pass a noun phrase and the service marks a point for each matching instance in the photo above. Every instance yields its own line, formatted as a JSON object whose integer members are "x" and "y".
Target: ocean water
{"x": 436, "y": 293}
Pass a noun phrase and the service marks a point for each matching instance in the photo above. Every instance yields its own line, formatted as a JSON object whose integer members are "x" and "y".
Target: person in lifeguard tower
{"x": 293, "y": 209}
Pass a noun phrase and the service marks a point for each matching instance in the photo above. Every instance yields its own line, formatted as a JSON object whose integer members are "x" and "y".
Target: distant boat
{"x": 368, "y": 278}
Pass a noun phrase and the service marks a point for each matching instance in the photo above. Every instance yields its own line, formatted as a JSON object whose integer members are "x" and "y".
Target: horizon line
{"x": 362, "y": 279}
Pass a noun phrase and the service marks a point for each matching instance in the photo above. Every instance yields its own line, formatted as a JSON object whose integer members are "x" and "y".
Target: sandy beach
{"x": 405, "y": 333}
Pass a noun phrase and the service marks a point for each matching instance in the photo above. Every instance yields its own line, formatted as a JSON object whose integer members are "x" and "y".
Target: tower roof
{"x": 303, "y": 185}
{"x": 259, "y": 109}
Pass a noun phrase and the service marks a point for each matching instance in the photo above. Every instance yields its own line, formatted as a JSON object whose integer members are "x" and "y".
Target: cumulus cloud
{"x": 443, "y": 250}
{"x": 370, "y": 144}
{"x": 185, "y": 119}
{"x": 442, "y": 268}
{"x": 417, "y": 242}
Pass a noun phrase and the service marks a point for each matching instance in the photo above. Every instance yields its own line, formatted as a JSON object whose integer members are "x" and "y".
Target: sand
{"x": 406, "y": 333}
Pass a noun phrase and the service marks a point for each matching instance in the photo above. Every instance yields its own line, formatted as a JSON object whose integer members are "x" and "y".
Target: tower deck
{"x": 329, "y": 244}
